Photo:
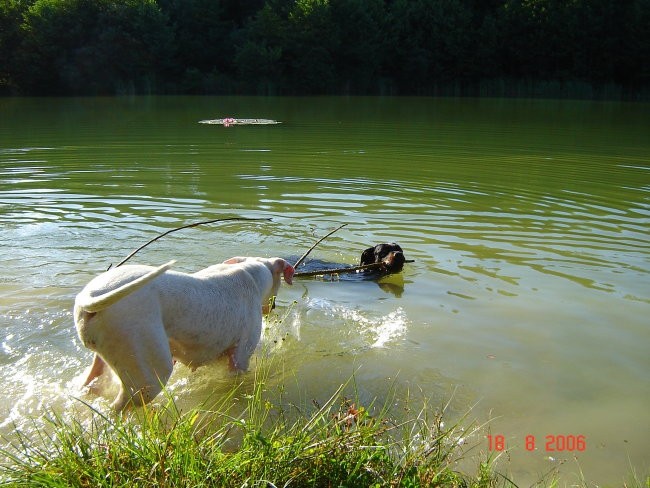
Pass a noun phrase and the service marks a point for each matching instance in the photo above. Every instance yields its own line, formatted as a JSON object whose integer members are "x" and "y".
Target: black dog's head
{"x": 390, "y": 255}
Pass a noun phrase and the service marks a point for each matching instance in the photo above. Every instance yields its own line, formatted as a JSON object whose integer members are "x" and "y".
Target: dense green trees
{"x": 92, "y": 46}
{"x": 499, "y": 47}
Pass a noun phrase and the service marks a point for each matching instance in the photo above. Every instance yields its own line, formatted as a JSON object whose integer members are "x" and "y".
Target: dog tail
{"x": 94, "y": 304}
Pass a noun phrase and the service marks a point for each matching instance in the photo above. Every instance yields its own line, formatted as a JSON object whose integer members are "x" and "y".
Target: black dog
{"x": 384, "y": 259}
{"x": 390, "y": 256}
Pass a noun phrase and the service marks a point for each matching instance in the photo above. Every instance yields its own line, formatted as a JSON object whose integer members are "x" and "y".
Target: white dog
{"x": 139, "y": 319}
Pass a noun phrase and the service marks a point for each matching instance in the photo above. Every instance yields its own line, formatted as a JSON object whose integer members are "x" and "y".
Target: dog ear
{"x": 288, "y": 272}
{"x": 279, "y": 265}
{"x": 367, "y": 256}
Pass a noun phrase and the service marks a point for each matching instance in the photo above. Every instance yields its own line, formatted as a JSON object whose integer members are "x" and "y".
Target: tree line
{"x": 583, "y": 48}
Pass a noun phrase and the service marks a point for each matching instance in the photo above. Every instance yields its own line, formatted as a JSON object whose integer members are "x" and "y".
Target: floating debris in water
{"x": 228, "y": 121}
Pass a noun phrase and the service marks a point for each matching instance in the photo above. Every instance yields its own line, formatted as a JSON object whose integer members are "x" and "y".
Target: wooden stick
{"x": 302, "y": 258}
{"x": 349, "y": 269}
{"x": 195, "y": 224}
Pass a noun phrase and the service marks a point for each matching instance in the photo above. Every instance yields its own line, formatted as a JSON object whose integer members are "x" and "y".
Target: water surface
{"x": 528, "y": 221}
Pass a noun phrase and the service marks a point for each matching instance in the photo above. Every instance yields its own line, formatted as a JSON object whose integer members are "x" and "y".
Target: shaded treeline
{"x": 575, "y": 48}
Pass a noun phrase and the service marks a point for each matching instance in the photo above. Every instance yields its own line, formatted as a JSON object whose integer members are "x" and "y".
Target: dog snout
{"x": 395, "y": 260}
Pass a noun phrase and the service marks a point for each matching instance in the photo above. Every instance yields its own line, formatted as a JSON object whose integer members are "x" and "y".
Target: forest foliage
{"x": 576, "y": 48}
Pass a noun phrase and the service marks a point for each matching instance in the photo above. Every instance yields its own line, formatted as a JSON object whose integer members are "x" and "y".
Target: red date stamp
{"x": 551, "y": 443}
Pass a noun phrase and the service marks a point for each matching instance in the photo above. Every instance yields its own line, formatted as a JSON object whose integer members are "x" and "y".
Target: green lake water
{"x": 527, "y": 303}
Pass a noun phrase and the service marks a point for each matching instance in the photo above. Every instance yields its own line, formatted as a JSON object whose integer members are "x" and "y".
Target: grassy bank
{"x": 249, "y": 437}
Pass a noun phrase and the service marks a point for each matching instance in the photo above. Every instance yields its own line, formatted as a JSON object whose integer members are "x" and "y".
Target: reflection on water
{"x": 527, "y": 221}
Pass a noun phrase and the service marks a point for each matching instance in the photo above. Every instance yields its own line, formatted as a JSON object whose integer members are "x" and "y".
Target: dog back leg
{"x": 143, "y": 379}
{"x": 96, "y": 369}
{"x": 139, "y": 354}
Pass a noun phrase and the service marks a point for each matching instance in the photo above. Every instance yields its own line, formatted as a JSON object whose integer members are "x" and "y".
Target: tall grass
{"x": 249, "y": 437}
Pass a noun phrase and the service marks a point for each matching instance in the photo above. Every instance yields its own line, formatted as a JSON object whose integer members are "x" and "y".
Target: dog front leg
{"x": 238, "y": 359}
{"x": 241, "y": 354}
{"x": 232, "y": 362}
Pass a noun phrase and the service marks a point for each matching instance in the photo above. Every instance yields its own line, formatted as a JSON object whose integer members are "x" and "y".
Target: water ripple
{"x": 527, "y": 223}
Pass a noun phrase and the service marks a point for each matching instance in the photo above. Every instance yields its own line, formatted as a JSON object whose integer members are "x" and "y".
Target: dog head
{"x": 394, "y": 261}
{"x": 277, "y": 266}
{"x": 390, "y": 254}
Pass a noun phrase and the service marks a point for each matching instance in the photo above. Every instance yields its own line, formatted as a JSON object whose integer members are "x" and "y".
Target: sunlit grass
{"x": 249, "y": 437}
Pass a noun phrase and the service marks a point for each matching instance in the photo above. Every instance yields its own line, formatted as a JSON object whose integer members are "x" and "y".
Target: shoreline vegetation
{"x": 249, "y": 437}
{"x": 253, "y": 437}
{"x": 581, "y": 49}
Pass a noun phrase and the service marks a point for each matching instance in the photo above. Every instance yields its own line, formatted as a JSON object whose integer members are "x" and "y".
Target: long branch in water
{"x": 349, "y": 269}
{"x": 195, "y": 224}
{"x": 302, "y": 258}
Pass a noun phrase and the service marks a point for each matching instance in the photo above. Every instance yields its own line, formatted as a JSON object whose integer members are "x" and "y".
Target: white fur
{"x": 140, "y": 319}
